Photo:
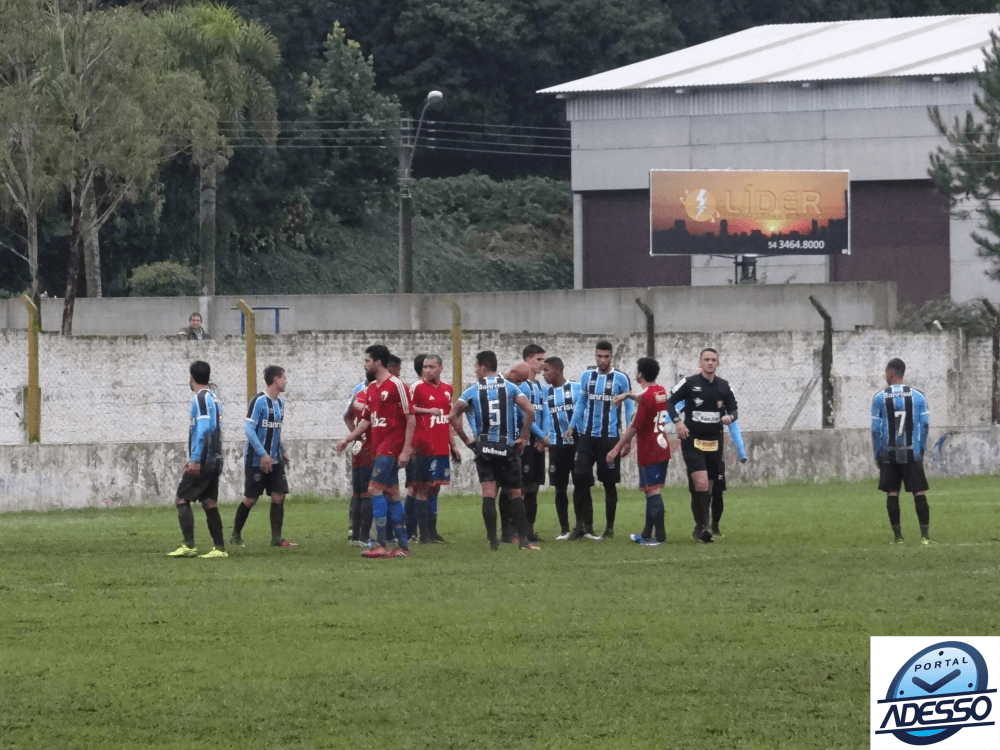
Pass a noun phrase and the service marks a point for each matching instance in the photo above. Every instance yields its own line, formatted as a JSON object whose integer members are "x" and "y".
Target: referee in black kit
{"x": 709, "y": 404}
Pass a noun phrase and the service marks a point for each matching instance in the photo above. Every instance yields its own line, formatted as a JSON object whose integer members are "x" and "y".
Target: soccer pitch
{"x": 759, "y": 640}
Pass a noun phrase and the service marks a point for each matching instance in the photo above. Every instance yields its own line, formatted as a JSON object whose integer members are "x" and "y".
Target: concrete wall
{"x": 135, "y": 390}
{"x": 603, "y": 311}
{"x": 48, "y": 477}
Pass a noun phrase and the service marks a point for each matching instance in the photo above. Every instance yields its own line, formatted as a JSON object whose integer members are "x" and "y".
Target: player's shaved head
{"x": 519, "y": 373}
{"x": 897, "y": 367}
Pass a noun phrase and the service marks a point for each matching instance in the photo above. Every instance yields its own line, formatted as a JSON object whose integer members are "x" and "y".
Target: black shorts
{"x": 595, "y": 449}
{"x": 910, "y": 476}
{"x": 505, "y": 471}
{"x": 257, "y": 483}
{"x": 360, "y": 477}
{"x": 201, "y": 487}
{"x": 719, "y": 479}
{"x": 561, "y": 458}
{"x": 696, "y": 459}
{"x": 532, "y": 465}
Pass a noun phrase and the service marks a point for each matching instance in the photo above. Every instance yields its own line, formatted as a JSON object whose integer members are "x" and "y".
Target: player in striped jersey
{"x": 597, "y": 421}
{"x": 387, "y": 412}
{"x": 493, "y": 416}
{"x": 900, "y": 422}
{"x": 200, "y": 481}
{"x": 264, "y": 458}
{"x": 559, "y": 397}
{"x": 360, "y": 511}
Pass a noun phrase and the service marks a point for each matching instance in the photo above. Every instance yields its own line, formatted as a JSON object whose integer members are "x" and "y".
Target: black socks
{"x": 185, "y": 517}
{"x": 277, "y": 519}
{"x": 215, "y": 527}
{"x": 242, "y": 514}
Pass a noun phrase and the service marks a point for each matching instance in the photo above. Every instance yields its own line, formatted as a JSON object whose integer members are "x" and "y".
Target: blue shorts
{"x": 653, "y": 477}
{"x": 432, "y": 470}
{"x": 360, "y": 477}
{"x": 385, "y": 471}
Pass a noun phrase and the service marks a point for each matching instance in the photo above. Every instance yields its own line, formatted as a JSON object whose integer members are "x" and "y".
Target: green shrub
{"x": 166, "y": 279}
{"x": 971, "y": 316}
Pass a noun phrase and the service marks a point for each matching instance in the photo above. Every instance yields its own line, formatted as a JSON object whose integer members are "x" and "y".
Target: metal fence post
{"x": 33, "y": 402}
{"x": 826, "y": 363}
{"x": 456, "y": 344}
{"x": 995, "y": 400}
{"x": 650, "y": 328}
{"x": 251, "y": 341}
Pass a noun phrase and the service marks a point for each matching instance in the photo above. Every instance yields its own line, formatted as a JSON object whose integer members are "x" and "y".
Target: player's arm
{"x": 729, "y": 404}
{"x": 622, "y": 397}
{"x": 349, "y": 419}
{"x": 455, "y": 420}
{"x": 878, "y": 424}
{"x": 924, "y": 420}
{"x": 407, "y": 452}
{"x": 629, "y": 404}
{"x": 529, "y": 418}
{"x": 625, "y": 441}
{"x": 579, "y": 408}
{"x": 546, "y": 423}
{"x": 202, "y": 426}
{"x": 677, "y": 395}
{"x": 359, "y": 429}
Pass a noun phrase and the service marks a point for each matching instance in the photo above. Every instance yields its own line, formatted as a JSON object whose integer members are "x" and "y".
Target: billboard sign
{"x": 749, "y": 212}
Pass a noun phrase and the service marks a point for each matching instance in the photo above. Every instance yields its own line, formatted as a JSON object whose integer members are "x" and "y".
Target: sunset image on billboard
{"x": 748, "y": 212}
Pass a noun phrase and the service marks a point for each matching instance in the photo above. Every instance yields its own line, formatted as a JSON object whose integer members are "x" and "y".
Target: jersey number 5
{"x": 494, "y": 413}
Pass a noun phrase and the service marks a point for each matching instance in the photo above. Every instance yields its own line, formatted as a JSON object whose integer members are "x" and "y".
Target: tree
{"x": 233, "y": 57}
{"x": 30, "y": 169}
{"x": 122, "y": 104}
{"x": 969, "y": 168}
{"x": 355, "y": 129}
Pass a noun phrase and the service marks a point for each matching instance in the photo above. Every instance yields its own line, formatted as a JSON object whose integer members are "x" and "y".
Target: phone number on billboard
{"x": 797, "y": 245}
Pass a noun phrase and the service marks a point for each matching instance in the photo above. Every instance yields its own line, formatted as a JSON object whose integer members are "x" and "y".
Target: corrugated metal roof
{"x": 875, "y": 48}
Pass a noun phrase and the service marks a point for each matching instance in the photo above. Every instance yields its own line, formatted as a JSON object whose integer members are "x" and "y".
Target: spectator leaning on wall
{"x": 194, "y": 330}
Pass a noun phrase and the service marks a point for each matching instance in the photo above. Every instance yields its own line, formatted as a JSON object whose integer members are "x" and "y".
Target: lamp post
{"x": 406, "y": 202}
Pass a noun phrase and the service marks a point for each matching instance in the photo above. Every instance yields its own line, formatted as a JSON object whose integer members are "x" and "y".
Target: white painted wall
{"x": 135, "y": 390}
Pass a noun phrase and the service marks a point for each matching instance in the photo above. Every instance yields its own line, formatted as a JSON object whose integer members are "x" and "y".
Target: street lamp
{"x": 406, "y": 202}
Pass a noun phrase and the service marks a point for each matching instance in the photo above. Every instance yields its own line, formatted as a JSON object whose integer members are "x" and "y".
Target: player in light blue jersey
{"x": 200, "y": 481}
{"x": 494, "y": 402}
{"x": 598, "y": 422}
{"x": 532, "y": 457}
{"x": 264, "y": 458}
{"x": 900, "y": 422}
{"x": 559, "y": 397}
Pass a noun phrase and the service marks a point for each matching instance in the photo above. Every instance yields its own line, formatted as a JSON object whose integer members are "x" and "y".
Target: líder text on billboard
{"x": 749, "y": 212}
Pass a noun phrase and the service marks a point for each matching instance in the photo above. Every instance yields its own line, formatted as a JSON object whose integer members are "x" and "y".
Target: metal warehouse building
{"x": 842, "y": 95}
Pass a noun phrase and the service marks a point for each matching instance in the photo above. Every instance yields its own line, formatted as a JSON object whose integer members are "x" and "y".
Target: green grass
{"x": 759, "y": 640}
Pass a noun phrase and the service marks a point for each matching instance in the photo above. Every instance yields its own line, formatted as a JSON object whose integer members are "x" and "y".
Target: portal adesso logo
{"x": 924, "y": 691}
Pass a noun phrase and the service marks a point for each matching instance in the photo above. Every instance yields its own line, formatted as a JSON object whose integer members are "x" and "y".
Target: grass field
{"x": 759, "y": 640}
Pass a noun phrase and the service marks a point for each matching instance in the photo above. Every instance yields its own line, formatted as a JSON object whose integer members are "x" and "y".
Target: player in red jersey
{"x": 388, "y": 414}
{"x": 431, "y": 400}
{"x": 653, "y": 449}
{"x": 361, "y": 467}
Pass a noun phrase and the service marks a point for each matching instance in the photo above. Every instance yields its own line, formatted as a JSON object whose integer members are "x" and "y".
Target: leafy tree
{"x": 30, "y": 169}
{"x": 969, "y": 168}
{"x": 122, "y": 105}
{"x": 163, "y": 279}
{"x": 355, "y": 129}
{"x": 234, "y": 57}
